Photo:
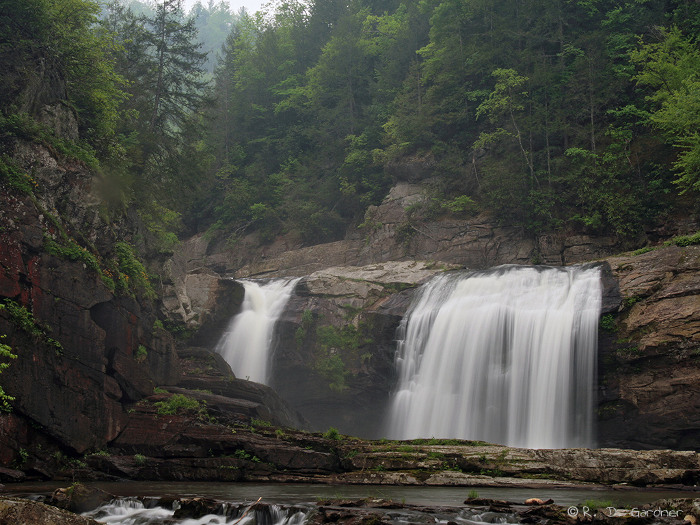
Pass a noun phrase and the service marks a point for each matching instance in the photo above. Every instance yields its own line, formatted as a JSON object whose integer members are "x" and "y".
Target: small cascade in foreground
{"x": 247, "y": 342}
{"x": 506, "y": 356}
{"x": 151, "y": 511}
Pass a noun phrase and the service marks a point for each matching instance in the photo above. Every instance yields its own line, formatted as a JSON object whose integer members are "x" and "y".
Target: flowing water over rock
{"x": 506, "y": 356}
{"x": 135, "y": 511}
{"x": 247, "y": 342}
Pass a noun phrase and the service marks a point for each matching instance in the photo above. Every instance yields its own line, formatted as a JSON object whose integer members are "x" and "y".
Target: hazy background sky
{"x": 251, "y": 5}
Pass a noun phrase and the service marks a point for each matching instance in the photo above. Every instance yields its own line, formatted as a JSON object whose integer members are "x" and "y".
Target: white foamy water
{"x": 247, "y": 342}
{"x": 506, "y": 356}
{"x": 132, "y": 511}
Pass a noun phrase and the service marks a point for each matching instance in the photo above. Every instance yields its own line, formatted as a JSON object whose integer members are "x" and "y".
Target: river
{"x": 294, "y": 493}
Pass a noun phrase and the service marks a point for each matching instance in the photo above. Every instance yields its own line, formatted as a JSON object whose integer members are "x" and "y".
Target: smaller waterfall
{"x": 505, "y": 356}
{"x": 247, "y": 342}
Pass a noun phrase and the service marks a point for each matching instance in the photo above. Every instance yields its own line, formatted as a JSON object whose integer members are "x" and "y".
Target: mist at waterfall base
{"x": 248, "y": 340}
{"x": 504, "y": 356}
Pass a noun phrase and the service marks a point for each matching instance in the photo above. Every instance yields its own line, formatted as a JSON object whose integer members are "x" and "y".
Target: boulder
{"x": 208, "y": 378}
{"x": 14, "y": 510}
{"x": 79, "y": 498}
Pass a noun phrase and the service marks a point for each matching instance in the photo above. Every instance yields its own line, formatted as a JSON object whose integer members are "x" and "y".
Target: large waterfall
{"x": 506, "y": 356}
{"x": 247, "y": 342}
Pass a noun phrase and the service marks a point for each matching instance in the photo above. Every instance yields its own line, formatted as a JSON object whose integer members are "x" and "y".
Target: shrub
{"x": 176, "y": 403}
{"x": 141, "y": 354}
{"x": 332, "y": 433}
{"x": 24, "y": 320}
{"x": 607, "y": 323}
{"x": 6, "y": 353}
{"x": 685, "y": 240}
{"x": 15, "y": 177}
{"x": 133, "y": 274}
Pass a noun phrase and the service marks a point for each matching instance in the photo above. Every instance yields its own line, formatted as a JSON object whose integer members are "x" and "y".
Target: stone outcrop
{"x": 401, "y": 228}
{"x": 79, "y": 498}
{"x": 193, "y": 293}
{"x": 450, "y": 462}
{"x": 208, "y": 378}
{"x": 650, "y": 352}
{"x": 334, "y": 359}
{"x": 190, "y": 445}
{"x": 396, "y": 230}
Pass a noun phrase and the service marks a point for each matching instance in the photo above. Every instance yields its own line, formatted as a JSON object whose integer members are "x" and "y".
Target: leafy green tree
{"x": 55, "y": 39}
{"x": 671, "y": 68}
{"x": 504, "y": 105}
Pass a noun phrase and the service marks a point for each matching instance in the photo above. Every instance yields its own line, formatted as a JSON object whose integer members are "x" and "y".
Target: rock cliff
{"x": 402, "y": 228}
{"x": 78, "y": 311}
{"x": 76, "y": 340}
{"x": 650, "y": 352}
{"x": 334, "y": 362}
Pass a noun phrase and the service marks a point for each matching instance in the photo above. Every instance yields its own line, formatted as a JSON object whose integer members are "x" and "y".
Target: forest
{"x": 575, "y": 115}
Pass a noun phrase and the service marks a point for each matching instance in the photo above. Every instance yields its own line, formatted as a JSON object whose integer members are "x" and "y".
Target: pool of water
{"x": 294, "y": 493}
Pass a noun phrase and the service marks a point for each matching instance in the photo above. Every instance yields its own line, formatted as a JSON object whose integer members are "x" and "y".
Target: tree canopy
{"x": 554, "y": 114}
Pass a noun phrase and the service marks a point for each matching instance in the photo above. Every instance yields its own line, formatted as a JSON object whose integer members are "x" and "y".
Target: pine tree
{"x": 177, "y": 85}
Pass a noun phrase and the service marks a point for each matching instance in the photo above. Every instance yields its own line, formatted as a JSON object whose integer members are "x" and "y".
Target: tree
{"x": 506, "y": 102}
{"x": 177, "y": 84}
{"x": 671, "y": 68}
{"x": 55, "y": 39}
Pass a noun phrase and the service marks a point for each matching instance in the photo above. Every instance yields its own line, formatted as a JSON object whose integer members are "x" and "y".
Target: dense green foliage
{"x": 554, "y": 115}
{"x": 575, "y": 114}
{"x": 5, "y": 353}
{"x": 46, "y": 44}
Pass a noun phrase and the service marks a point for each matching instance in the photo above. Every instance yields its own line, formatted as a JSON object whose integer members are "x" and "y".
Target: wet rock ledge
{"x": 211, "y": 426}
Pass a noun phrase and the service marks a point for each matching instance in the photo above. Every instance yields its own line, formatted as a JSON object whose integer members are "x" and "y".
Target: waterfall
{"x": 506, "y": 356}
{"x": 247, "y": 342}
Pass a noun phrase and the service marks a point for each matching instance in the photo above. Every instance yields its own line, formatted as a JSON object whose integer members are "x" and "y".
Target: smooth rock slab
{"x": 25, "y": 512}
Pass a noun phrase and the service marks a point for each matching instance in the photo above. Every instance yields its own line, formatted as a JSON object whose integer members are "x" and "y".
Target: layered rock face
{"x": 400, "y": 229}
{"x": 650, "y": 352}
{"x": 334, "y": 357}
{"x": 83, "y": 339}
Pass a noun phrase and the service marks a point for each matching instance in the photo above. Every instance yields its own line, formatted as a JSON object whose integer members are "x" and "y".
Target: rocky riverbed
{"x": 95, "y": 504}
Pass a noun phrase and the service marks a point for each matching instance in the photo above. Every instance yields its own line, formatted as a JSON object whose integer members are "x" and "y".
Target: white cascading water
{"x": 132, "y": 511}
{"x": 505, "y": 356}
{"x": 247, "y": 342}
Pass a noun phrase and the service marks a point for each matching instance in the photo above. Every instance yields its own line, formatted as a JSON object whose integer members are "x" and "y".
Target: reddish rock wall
{"x": 73, "y": 373}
